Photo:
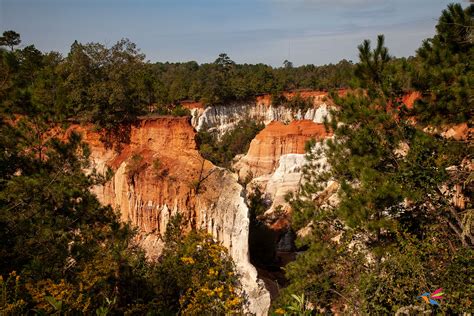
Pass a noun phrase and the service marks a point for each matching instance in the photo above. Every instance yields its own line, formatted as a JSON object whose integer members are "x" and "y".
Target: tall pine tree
{"x": 395, "y": 231}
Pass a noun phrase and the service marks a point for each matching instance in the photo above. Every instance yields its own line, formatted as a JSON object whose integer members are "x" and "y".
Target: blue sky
{"x": 249, "y": 31}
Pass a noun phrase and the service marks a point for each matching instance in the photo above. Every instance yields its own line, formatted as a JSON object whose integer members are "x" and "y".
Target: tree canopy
{"x": 396, "y": 230}
{"x": 446, "y": 75}
{"x": 10, "y": 39}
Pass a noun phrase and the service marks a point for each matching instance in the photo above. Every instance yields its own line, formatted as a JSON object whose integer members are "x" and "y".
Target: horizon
{"x": 304, "y": 32}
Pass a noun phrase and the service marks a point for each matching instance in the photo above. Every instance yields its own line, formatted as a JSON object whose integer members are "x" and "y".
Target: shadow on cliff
{"x": 270, "y": 250}
{"x": 116, "y": 137}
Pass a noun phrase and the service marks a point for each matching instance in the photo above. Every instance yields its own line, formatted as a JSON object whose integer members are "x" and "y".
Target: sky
{"x": 249, "y": 31}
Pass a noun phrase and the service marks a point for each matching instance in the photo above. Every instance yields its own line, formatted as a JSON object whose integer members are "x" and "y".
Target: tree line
{"x": 107, "y": 86}
{"x": 110, "y": 85}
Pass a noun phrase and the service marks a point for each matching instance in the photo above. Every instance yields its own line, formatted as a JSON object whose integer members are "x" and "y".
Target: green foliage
{"x": 298, "y": 306}
{"x": 295, "y": 103}
{"x": 173, "y": 110}
{"x": 196, "y": 275}
{"x": 235, "y": 141}
{"x": 257, "y": 202}
{"x": 158, "y": 169}
{"x": 395, "y": 233}
{"x": 180, "y": 111}
{"x": 415, "y": 267}
{"x": 446, "y": 72}
{"x": 104, "y": 85}
{"x": 398, "y": 75}
{"x": 135, "y": 165}
{"x": 10, "y": 39}
{"x": 45, "y": 200}
{"x": 323, "y": 271}
{"x": 379, "y": 72}
{"x": 372, "y": 62}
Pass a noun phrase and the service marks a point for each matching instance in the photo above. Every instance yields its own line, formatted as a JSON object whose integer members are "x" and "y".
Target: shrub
{"x": 134, "y": 166}
{"x": 236, "y": 141}
{"x": 196, "y": 275}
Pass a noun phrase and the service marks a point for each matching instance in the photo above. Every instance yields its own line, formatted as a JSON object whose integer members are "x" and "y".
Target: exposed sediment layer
{"x": 160, "y": 173}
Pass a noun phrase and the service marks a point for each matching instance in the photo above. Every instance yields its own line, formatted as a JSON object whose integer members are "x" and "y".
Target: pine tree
{"x": 447, "y": 75}
{"x": 394, "y": 232}
{"x": 10, "y": 39}
{"x": 372, "y": 62}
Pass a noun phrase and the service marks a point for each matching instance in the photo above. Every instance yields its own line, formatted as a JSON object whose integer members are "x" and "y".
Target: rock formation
{"x": 274, "y": 141}
{"x": 223, "y": 118}
{"x": 161, "y": 173}
{"x": 276, "y": 157}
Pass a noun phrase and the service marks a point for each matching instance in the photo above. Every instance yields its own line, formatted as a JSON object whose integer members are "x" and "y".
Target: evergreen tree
{"x": 372, "y": 63}
{"x": 395, "y": 232}
{"x": 10, "y": 39}
{"x": 446, "y": 75}
{"x": 46, "y": 200}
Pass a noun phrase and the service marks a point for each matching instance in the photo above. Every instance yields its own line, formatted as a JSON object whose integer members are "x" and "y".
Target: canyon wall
{"x": 224, "y": 117}
{"x": 160, "y": 173}
{"x": 274, "y": 141}
{"x": 276, "y": 157}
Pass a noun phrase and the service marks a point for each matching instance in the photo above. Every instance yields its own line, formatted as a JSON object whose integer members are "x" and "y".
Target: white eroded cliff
{"x": 160, "y": 173}
{"x": 286, "y": 178}
{"x": 224, "y": 117}
{"x": 276, "y": 158}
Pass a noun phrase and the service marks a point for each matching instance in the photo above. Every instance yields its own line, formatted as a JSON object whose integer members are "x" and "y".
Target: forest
{"x": 394, "y": 234}
{"x": 108, "y": 86}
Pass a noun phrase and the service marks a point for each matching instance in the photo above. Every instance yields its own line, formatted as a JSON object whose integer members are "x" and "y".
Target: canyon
{"x": 159, "y": 173}
{"x": 171, "y": 177}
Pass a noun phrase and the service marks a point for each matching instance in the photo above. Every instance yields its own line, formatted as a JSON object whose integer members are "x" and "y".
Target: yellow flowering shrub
{"x": 10, "y": 301}
{"x": 205, "y": 278}
{"x": 51, "y": 297}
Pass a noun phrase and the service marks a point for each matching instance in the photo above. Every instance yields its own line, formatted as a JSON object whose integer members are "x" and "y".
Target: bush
{"x": 180, "y": 111}
{"x": 174, "y": 110}
{"x": 159, "y": 171}
{"x": 236, "y": 141}
{"x": 196, "y": 274}
{"x": 134, "y": 166}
